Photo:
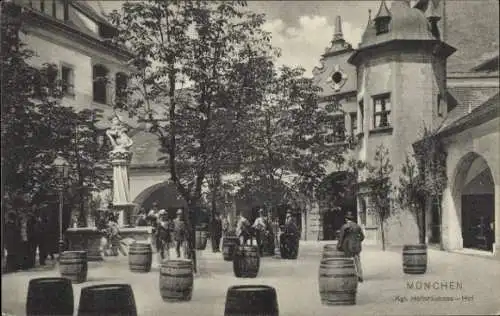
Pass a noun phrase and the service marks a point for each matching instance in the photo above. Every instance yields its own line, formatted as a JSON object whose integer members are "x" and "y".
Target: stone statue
{"x": 120, "y": 158}
{"x": 118, "y": 136}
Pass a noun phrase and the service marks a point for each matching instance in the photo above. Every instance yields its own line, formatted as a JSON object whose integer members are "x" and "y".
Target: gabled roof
{"x": 481, "y": 114}
{"x": 489, "y": 64}
{"x": 92, "y": 14}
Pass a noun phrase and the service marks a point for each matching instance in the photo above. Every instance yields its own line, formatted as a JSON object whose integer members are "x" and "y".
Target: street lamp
{"x": 62, "y": 167}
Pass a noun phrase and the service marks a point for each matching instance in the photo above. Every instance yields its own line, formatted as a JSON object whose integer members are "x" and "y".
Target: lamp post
{"x": 62, "y": 167}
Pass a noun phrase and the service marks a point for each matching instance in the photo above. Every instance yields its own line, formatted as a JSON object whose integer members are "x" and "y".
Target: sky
{"x": 303, "y": 29}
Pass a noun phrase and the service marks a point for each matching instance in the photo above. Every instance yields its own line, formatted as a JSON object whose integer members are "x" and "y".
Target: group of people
{"x": 166, "y": 232}
{"x": 263, "y": 232}
{"x": 25, "y": 234}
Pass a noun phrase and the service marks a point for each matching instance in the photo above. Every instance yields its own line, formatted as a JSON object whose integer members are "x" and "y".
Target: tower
{"x": 401, "y": 65}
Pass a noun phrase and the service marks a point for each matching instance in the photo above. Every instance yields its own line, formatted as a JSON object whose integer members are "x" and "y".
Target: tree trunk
{"x": 191, "y": 220}
{"x": 441, "y": 246}
{"x": 382, "y": 233}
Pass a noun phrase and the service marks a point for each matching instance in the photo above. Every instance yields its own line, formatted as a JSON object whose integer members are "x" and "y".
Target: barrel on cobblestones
{"x": 140, "y": 257}
{"x": 415, "y": 259}
{"x": 289, "y": 246}
{"x": 50, "y": 296}
{"x": 338, "y": 282}
{"x": 251, "y": 300}
{"x": 176, "y": 280}
{"x": 107, "y": 299}
{"x": 73, "y": 265}
{"x": 330, "y": 251}
{"x": 201, "y": 239}
{"x": 229, "y": 244}
{"x": 246, "y": 262}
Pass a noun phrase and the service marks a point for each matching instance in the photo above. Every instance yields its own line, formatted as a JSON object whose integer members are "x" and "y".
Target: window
{"x": 361, "y": 115}
{"x": 382, "y": 111}
{"x": 42, "y": 6}
{"x": 382, "y": 26}
{"x": 100, "y": 82}
{"x": 121, "y": 88}
{"x": 67, "y": 78}
{"x": 337, "y": 134}
{"x": 354, "y": 124}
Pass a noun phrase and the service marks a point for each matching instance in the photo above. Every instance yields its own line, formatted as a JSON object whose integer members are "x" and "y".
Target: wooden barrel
{"x": 107, "y": 299}
{"x": 73, "y": 266}
{"x": 415, "y": 259}
{"x": 289, "y": 246}
{"x": 246, "y": 262}
{"x": 140, "y": 257}
{"x": 201, "y": 239}
{"x": 229, "y": 244}
{"x": 330, "y": 251}
{"x": 338, "y": 282}
{"x": 50, "y": 296}
{"x": 251, "y": 300}
{"x": 176, "y": 280}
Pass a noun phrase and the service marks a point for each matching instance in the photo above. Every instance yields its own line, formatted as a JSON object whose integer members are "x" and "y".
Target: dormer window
{"x": 382, "y": 26}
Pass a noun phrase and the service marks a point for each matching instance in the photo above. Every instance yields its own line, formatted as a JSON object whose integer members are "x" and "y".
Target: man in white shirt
{"x": 260, "y": 226}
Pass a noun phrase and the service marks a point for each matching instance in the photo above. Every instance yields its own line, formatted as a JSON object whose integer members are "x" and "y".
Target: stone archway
{"x": 165, "y": 194}
{"x": 474, "y": 198}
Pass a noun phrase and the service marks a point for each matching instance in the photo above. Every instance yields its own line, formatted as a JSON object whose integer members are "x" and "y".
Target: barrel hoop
{"x": 176, "y": 275}
{"x": 337, "y": 275}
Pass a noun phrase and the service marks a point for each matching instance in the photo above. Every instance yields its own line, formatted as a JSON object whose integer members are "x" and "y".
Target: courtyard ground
{"x": 386, "y": 290}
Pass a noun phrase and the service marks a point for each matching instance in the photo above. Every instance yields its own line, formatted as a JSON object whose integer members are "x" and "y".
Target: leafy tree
{"x": 36, "y": 126}
{"x": 411, "y": 193}
{"x": 196, "y": 75}
{"x": 287, "y": 150}
{"x": 379, "y": 187}
{"x": 430, "y": 157}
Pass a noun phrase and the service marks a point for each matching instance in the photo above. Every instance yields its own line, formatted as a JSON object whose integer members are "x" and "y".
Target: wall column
{"x": 451, "y": 230}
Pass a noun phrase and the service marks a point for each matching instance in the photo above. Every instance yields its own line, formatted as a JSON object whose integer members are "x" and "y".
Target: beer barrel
{"x": 50, "y": 296}
{"x": 229, "y": 244}
{"x": 176, "y": 280}
{"x": 107, "y": 299}
{"x": 251, "y": 300}
{"x": 415, "y": 259}
{"x": 73, "y": 265}
{"x": 330, "y": 251}
{"x": 338, "y": 281}
{"x": 246, "y": 262}
{"x": 289, "y": 246}
{"x": 201, "y": 239}
{"x": 140, "y": 257}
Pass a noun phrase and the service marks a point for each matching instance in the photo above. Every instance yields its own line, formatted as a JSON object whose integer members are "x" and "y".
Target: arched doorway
{"x": 337, "y": 195}
{"x": 475, "y": 193}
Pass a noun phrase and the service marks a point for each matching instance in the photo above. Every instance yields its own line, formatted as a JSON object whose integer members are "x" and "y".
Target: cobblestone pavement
{"x": 385, "y": 290}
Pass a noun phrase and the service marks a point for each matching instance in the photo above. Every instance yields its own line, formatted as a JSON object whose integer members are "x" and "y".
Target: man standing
{"x": 260, "y": 226}
{"x": 216, "y": 232}
{"x": 163, "y": 235}
{"x": 180, "y": 232}
{"x": 350, "y": 239}
{"x": 243, "y": 229}
{"x": 13, "y": 242}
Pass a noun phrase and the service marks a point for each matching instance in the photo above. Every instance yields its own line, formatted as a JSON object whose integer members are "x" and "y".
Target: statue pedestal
{"x": 124, "y": 214}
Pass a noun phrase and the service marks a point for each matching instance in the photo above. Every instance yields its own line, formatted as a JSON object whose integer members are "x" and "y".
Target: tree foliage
{"x": 379, "y": 187}
{"x": 287, "y": 147}
{"x": 36, "y": 126}
{"x": 197, "y": 71}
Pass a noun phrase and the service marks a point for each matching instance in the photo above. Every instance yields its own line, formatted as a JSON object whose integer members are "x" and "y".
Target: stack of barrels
{"x": 246, "y": 262}
{"x": 140, "y": 257}
{"x": 73, "y": 266}
{"x": 338, "y": 281}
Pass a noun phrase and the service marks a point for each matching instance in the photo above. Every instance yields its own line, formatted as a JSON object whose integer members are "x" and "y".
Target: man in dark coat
{"x": 290, "y": 235}
{"x": 13, "y": 242}
{"x": 350, "y": 238}
{"x": 216, "y": 232}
